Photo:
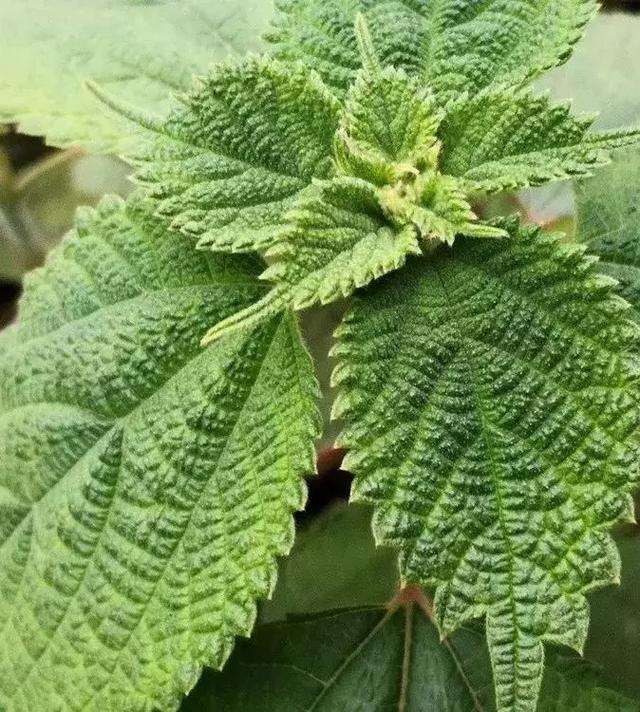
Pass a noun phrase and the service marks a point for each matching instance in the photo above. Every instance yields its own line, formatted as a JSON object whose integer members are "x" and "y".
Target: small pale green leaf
{"x": 609, "y": 222}
{"x": 146, "y": 484}
{"x": 227, "y": 165}
{"x": 338, "y": 241}
{"x": 139, "y": 51}
{"x": 390, "y": 125}
{"x": 491, "y": 407}
{"x": 511, "y": 140}
{"x": 452, "y": 46}
{"x": 389, "y": 137}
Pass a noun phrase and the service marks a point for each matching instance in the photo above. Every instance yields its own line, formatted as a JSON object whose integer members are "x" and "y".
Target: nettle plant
{"x": 487, "y": 378}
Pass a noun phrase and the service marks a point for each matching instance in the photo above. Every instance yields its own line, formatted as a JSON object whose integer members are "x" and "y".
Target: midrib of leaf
{"x": 497, "y": 486}
{"x": 89, "y": 560}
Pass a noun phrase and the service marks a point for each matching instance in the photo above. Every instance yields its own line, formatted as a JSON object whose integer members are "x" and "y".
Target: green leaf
{"x": 511, "y": 140}
{"x": 353, "y": 659}
{"x": 228, "y": 165}
{"x": 609, "y": 223}
{"x": 139, "y": 51}
{"x": 451, "y": 46}
{"x": 347, "y": 660}
{"x": 339, "y": 241}
{"x": 491, "y": 411}
{"x": 146, "y": 484}
{"x": 377, "y": 660}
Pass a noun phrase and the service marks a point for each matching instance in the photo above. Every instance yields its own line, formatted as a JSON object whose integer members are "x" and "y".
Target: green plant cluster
{"x": 158, "y": 406}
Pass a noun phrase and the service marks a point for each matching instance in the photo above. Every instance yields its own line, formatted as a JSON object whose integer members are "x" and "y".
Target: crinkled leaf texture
{"x": 368, "y": 658}
{"x": 452, "y": 45}
{"x": 146, "y": 484}
{"x": 508, "y": 140}
{"x": 227, "y": 166}
{"x": 337, "y": 189}
{"x": 138, "y": 51}
{"x": 491, "y": 408}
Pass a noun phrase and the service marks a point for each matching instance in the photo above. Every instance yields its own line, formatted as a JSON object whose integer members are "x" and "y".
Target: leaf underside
{"x": 492, "y": 419}
{"x": 146, "y": 485}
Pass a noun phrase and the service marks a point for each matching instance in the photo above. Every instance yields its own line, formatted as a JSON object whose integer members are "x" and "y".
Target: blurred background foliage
{"x": 40, "y": 189}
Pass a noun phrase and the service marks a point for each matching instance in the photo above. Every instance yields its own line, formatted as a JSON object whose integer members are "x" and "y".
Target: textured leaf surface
{"x": 228, "y": 165}
{"x": 139, "y": 51}
{"x": 609, "y": 222}
{"x": 453, "y": 45}
{"x": 508, "y": 141}
{"x": 337, "y": 661}
{"x": 503, "y": 368}
{"x": 346, "y": 231}
{"x": 339, "y": 241}
{"x": 146, "y": 484}
{"x": 389, "y": 137}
